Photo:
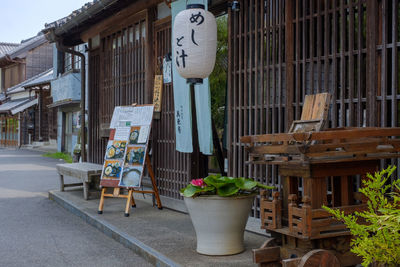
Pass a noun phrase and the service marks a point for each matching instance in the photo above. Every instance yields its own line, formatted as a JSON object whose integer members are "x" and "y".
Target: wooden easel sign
{"x": 126, "y": 154}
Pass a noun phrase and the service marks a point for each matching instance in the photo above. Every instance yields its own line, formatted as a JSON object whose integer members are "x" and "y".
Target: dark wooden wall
{"x": 282, "y": 50}
{"x": 96, "y": 144}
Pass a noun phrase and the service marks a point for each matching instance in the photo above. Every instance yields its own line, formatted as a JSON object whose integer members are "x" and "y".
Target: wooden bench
{"x": 84, "y": 171}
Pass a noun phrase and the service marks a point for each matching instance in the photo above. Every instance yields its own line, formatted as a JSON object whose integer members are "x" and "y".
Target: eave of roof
{"x": 7, "y": 47}
{"x": 43, "y": 78}
{"x": 80, "y": 19}
{"x": 20, "y": 87}
{"x": 7, "y": 106}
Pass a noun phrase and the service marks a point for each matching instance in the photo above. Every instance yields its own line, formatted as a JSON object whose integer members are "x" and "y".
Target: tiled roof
{"x": 5, "y": 47}
{"x": 62, "y": 21}
{"x": 7, "y": 106}
{"x": 42, "y": 78}
{"x": 27, "y": 45}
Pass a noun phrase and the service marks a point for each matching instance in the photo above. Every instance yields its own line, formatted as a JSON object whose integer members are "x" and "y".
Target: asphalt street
{"x": 34, "y": 231}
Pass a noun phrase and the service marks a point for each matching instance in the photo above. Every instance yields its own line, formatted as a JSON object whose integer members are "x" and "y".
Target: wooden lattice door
{"x": 171, "y": 167}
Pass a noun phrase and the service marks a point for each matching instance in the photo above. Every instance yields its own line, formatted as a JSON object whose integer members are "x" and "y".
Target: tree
{"x": 218, "y": 78}
{"x": 377, "y": 240}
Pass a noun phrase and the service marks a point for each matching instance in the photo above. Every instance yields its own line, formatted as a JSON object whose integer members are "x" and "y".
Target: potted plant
{"x": 219, "y": 207}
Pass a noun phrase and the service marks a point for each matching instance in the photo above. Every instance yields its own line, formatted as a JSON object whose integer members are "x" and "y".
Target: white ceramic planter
{"x": 219, "y": 222}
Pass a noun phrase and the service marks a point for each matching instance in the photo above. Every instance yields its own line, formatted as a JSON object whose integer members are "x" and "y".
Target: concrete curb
{"x": 146, "y": 252}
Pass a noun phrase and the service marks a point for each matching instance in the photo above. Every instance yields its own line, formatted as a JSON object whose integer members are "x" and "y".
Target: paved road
{"x": 34, "y": 231}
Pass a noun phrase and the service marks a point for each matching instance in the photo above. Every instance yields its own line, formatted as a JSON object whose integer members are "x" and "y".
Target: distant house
{"x": 20, "y": 64}
{"x": 4, "y": 49}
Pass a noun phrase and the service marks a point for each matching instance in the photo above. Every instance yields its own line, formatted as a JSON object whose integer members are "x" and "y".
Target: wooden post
{"x": 292, "y": 204}
{"x": 371, "y": 40}
{"x": 153, "y": 182}
{"x": 277, "y": 213}
{"x": 289, "y": 53}
{"x": 128, "y": 202}
{"x": 149, "y": 62}
{"x": 101, "y": 205}
{"x": 195, "y": 170}
{"x": 307, "y": 216}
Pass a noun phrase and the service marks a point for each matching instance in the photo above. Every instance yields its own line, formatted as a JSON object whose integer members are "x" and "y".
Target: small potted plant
{"x": 219, "y": 207}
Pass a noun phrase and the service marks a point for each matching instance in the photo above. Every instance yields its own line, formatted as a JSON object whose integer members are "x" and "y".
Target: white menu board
{"x": 127, "y": 146}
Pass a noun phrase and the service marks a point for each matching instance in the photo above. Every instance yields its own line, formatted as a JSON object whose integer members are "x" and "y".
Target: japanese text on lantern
{"x": 196, "y": 19}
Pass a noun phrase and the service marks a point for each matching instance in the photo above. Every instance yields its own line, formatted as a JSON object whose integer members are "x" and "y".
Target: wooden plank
{"x": 291, "y": 262}
{"x": 316, "y": 189}
{"x": 321, "y": 213}
{"x": 274, "y": 149}
{"x": 265, "y": 255}
{"x": 323, "y": 224}
{"x": 307, "y": 113}
{"x": 321, "y": 106}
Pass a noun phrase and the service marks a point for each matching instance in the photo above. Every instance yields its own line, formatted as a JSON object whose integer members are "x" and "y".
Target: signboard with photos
{"x": 127, "y": 146}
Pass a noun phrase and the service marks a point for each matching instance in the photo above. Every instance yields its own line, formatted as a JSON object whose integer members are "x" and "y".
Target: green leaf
{"x": 217, "y": 182}
{"x": 191, "y": 190}
{"x": 227, "y": 190}
{"x": 245, "y": 184}
{"x": 265, "y": 186}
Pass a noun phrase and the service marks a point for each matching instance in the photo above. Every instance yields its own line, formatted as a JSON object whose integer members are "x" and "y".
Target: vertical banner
{"x": 183, "y": 111}
{"x": 183, "y": 119}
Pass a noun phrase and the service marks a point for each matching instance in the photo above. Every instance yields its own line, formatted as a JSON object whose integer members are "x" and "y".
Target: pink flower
{"x": 198, "y": 182}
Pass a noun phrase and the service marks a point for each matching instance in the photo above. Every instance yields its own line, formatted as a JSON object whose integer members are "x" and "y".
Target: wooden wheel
{"x": 319, "y": 258}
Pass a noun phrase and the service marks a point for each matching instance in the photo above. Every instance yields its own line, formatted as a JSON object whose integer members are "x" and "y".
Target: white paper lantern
{"x": 194, "y": 43}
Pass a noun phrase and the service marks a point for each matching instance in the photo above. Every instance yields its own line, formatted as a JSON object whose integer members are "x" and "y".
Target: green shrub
{"x": 377, "y": 240}
{"x": 59, "y": 155}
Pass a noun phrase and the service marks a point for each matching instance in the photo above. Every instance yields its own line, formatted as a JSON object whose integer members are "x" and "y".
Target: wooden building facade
{"x": 21, "y": 65}
{"x": 121, "y": 72}
{"x": 282, "y": 50}
{"x": 279, "y": 51}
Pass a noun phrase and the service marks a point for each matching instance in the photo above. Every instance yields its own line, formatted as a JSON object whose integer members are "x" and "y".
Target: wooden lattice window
{"x": 123, "y": 68}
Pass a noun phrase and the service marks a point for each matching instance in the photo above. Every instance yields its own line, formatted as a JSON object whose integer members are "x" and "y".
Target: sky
{"x": 22, "y": 19}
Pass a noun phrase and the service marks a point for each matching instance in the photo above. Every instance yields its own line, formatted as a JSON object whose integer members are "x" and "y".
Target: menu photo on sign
{"x": 127, "y": 146}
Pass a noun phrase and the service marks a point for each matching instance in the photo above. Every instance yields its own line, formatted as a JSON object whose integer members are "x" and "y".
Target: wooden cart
{"x": 317, "y": 168}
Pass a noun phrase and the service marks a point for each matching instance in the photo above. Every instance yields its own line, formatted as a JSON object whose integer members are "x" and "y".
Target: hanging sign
{"x": 127, "y": 146}
{"x": 167, "y": 70}
{"x": 157, "y": 92}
